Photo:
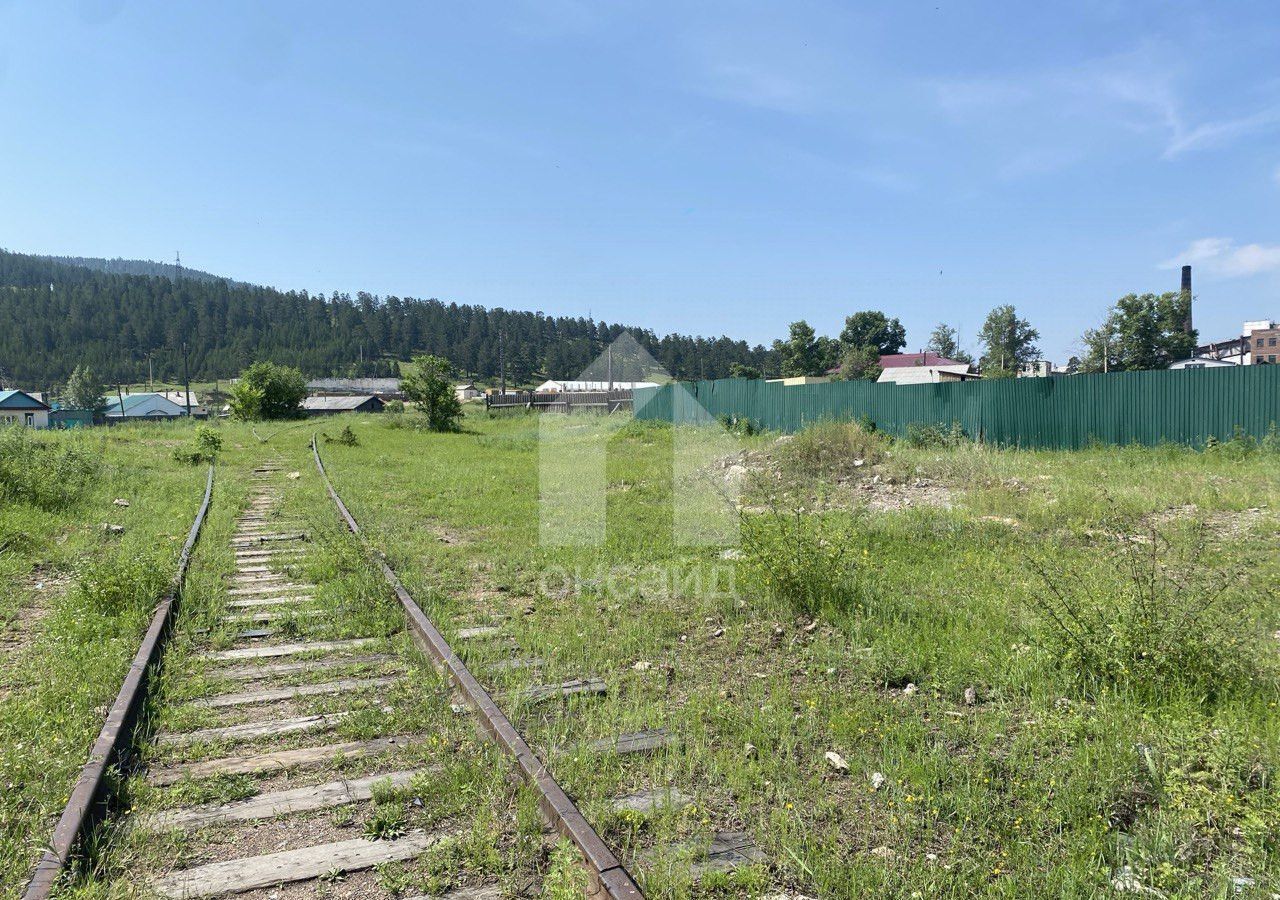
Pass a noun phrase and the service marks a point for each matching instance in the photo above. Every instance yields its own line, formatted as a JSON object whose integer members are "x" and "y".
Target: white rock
{"x": 909, "y": 690}
{"x": 883, "y": 852}
{"x": 120, "y": 501}
{"x": 750, "y": 751}
{"x": 836, "y": 761}
{"x": 112, "y": 529}
{"x": 642, "y": 666}
{"x": 731, "y": 553}
{"x": 294, "y": 475}
{"x": 970, "y": 696}
{"x": 877, "y": 780}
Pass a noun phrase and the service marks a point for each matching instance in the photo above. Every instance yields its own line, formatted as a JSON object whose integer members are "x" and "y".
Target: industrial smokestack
{"x": 1187, "y": 325}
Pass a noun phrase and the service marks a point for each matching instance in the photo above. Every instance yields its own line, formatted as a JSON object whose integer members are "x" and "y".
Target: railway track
{"x": 299, "y": 743}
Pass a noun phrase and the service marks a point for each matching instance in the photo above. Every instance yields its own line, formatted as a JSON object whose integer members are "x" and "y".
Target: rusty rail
{"x": 610, "y": 878}
{"x": 113, "y": 740}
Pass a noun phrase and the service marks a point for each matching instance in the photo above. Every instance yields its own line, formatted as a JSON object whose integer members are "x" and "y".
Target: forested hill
{"x": 54, "y": 316}
{"x": 120, "y": 266}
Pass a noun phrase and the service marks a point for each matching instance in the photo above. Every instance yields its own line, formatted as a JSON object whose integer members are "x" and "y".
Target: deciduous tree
{"x": 430, "y": 386}
{"x": 1008, "y": 341}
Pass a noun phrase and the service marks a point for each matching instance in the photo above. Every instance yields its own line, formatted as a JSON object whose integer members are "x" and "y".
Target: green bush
{"x": 45, "y": 472}
{"x": 934, "y": 437}
{"x": 346, "y": 438}
{"x": 204, "y": 446}
{"x": 801, "y": 560}
{"x": 1151, "y": 617}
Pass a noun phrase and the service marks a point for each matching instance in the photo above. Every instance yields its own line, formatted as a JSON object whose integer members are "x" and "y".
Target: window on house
{"x": 31, "y": 419}
{"x": 1271, "y": 342}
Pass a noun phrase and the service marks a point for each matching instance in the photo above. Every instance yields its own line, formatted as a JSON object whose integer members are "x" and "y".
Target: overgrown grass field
{"x": 929, "y": 670}
{"x": 75, "y": 598}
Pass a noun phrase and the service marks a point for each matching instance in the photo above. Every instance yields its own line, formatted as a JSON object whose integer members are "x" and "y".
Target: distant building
{"x": 800, "y": 379}
{"x": 927, "y": 374}
{"x": 1203, "y": 362}
{"x": 332, "y": 406}
{"x": 565, "y": 387}
{"x": 21, "y": 408}
{"x": 1036, "y": 368}
{"x": 180, "y": 398}
{"x": 143, "y": 406}
{"x": 1258, "y": 344}
{"x": 466, "y": 392}
{"x": 379, "y": 387}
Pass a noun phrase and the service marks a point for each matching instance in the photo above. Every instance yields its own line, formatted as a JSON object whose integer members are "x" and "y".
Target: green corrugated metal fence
{"x": 1183, "y": 406}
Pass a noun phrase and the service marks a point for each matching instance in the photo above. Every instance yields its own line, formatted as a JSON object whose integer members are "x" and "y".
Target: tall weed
{"x": 1152, "y": 616}
{"x": 801, "y": 560}
{"x": 48, "y": 473}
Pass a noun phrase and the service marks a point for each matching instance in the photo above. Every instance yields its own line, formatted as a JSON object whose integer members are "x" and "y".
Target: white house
{"x": 926, "y": 374}
{"x": 1203, "y": 362}
{"x": 143, "y": 406}
{"x": 466, "y": 392}
{"x": 20, "y": 408}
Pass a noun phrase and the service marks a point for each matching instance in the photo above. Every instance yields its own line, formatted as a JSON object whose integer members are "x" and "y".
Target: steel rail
{"x": 85, "y": 800}
{"x": 610, "y": 878}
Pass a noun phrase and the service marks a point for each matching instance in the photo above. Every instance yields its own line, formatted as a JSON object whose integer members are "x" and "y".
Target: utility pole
{"x": 610, "y": 364}
{"x": 186, "y": 377}
{"x": 502, "y": 360}
{"x": 151, "y": 378}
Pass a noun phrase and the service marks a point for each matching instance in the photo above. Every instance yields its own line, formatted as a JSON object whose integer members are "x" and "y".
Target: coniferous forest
{"x": 56, "y": 315}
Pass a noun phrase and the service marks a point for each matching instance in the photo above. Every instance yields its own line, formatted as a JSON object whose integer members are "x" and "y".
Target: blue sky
{"x": 707, "y": 168}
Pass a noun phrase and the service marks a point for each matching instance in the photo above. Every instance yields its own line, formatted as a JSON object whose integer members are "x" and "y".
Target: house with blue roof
{"x": 143, "y": 406}
{"x": 20, "y": 408}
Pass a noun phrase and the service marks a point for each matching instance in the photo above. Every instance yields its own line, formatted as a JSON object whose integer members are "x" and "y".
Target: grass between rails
{"x": 1007, "y": 770}
{"x": 75, "y": 602}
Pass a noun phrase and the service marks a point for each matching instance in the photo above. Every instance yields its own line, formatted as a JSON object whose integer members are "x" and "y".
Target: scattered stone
{"x": 910, "y": 690}
{"x": 859, "y": 463}
{"x": 120, "y": 501}
{"x": 836, "y": 761}
{"x": 750, "y": 751}
{"x": 970, "y": 696}
{"x": 719, "y": 632}
{"x": 884, "y": 852}
{"x": 642, "y": 666}
{"x": 811, "y": 627}
{"x": 731, "y": 553}
{"x": 294, "y": 476}
{"x": 877, "y": 780}
{"x": 112, "y": 529}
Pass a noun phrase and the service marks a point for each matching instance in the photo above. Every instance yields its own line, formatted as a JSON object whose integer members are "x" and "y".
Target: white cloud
{"x": 1223, "y": 131}
{"x": 1221, "y": 256}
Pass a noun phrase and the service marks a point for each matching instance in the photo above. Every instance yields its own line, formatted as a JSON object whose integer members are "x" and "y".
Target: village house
{"x": 142, "y": 406}
{"x": 332, "y": 406}
{"x": 21, "y": 408}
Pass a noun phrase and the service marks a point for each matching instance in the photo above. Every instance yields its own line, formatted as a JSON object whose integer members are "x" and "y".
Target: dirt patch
{"x": 764, "y": 480}
{"x": 1221, "y": 524}
{"x": 41, "y": 589}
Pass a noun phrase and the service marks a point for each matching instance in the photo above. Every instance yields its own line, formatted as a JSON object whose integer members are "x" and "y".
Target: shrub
{"x": 395, "y": 407}
{"x": 801, "y": 560}
{"x": 934, "y": 437}
{"x": 204, "y": 447}
{"x": 346, "y": 438}
{"x": 831, "y": 450}
{"x": 44, "y": 472}
{"x": 1151, "y": 617}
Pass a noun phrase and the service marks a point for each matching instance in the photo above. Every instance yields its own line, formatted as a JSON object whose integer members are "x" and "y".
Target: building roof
{"x": 334, "y": 404}
{"x": 926, "y": 374}
{"x": 20, "y": 400}
{"x": 132, "y": 402}
{"x": 180, "y": 398}
{"x": 896, "y": 360}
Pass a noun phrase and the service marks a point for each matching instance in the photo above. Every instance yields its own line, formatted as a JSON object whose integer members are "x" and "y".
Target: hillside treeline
{"x": 54, "y": 316}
